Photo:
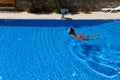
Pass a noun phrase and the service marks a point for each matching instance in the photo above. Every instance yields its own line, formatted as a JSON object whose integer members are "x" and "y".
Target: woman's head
{"x": 71, "y": 31}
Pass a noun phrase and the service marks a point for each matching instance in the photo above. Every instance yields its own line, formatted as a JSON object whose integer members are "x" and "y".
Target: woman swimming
{"x": 82, "y": 36}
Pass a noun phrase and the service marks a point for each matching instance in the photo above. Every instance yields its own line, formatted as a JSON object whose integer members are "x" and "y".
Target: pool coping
{"x": 53, "y": 16}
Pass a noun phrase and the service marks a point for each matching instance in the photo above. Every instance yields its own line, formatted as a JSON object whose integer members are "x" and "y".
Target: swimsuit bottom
{"x": 80, "y": 36}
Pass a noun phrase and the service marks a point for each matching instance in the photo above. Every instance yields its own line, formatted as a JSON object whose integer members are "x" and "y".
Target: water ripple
{"x": 101, "y": 57}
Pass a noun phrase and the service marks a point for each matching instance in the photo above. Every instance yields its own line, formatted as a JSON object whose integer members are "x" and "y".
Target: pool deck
{"x": 80, "y": 15}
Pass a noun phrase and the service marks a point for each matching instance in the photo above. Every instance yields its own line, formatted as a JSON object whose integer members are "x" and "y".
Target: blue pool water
{"x": 43, "y": 50}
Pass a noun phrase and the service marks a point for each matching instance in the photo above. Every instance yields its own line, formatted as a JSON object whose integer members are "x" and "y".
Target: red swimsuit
{"x": 80, "y": 36}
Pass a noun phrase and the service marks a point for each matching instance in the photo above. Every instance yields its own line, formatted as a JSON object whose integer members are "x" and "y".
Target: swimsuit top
{"x": 80, "y": 36}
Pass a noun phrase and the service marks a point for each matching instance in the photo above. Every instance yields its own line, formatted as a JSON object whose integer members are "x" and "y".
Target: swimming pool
{"x": 43, "y": 50}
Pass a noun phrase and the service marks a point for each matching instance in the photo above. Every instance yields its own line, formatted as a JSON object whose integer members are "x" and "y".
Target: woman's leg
{"x": 91, "y": 36}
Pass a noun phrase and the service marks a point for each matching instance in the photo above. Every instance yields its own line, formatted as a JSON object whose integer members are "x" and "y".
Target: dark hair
{"x": 72, "y": 31}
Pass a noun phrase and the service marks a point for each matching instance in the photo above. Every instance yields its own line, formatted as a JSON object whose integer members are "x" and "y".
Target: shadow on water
{"x": 86, "y": 51}
{"x": 89, "y": 48}
{"x": 52, "y": 22}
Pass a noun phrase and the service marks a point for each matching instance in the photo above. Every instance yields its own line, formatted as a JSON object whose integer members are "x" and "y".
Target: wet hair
{"x": 71, "y": 31}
